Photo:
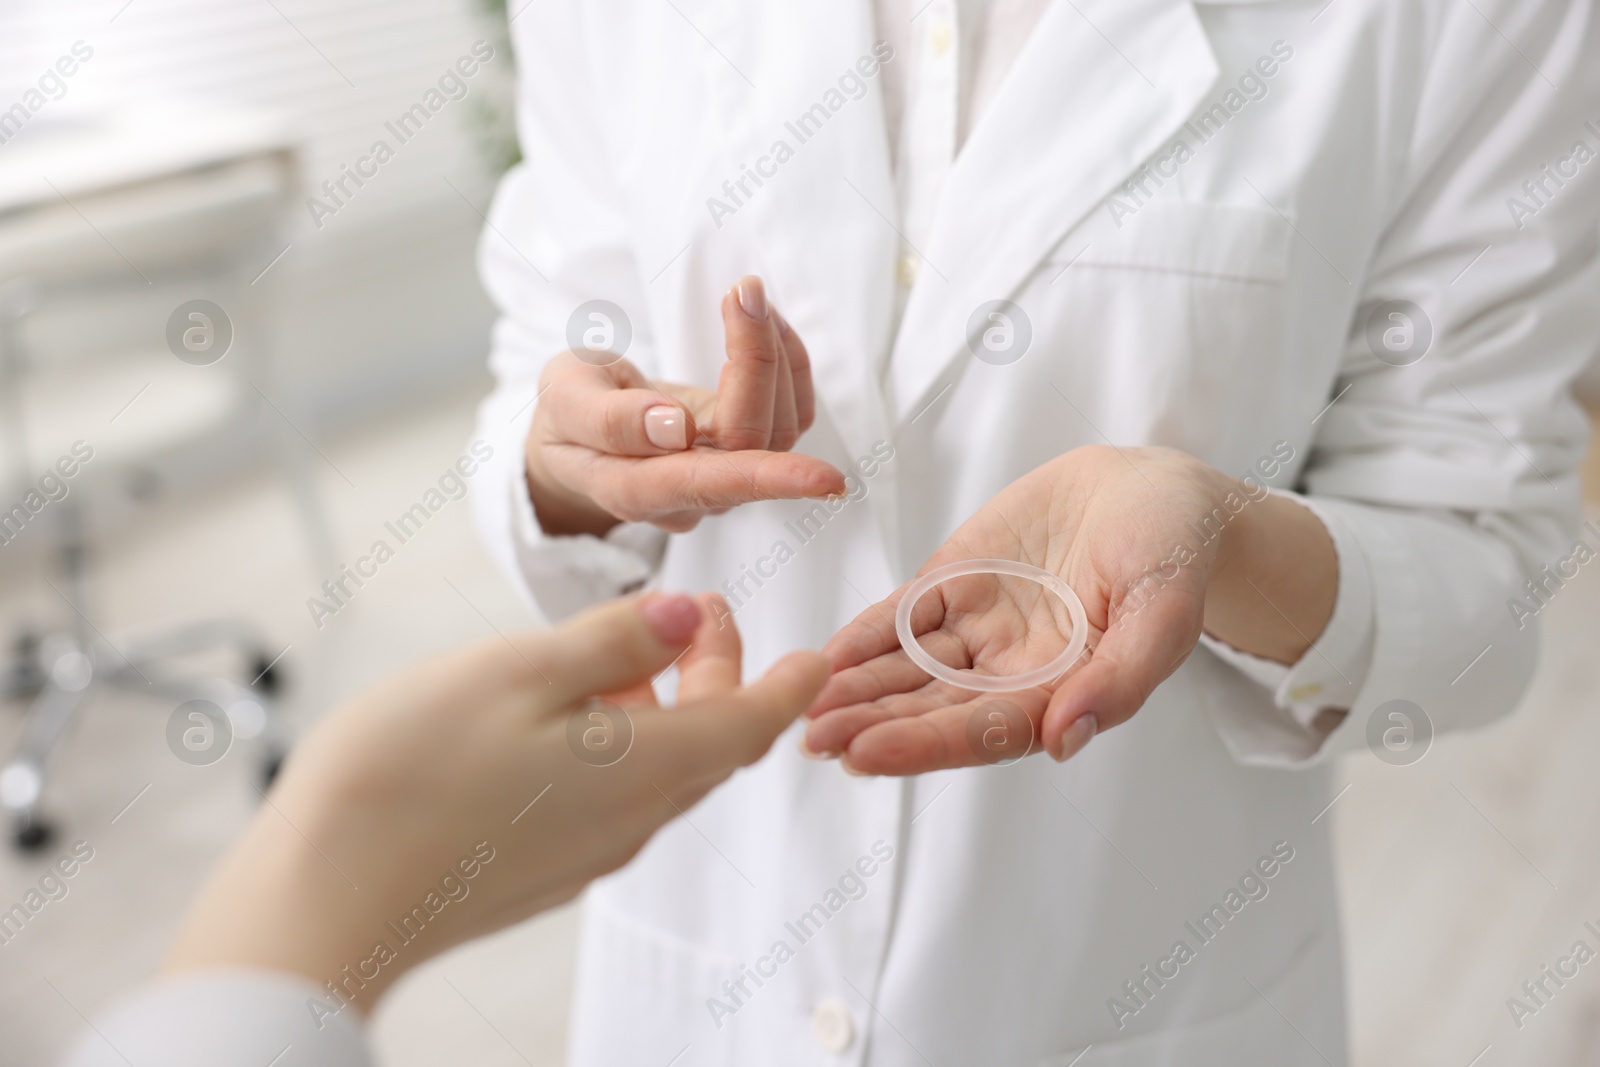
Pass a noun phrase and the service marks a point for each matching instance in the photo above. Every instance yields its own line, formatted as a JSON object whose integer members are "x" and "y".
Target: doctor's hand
{"x": 607, "y": 446}
{"x": 1126, "y": 529}
{"x": 466, "y": 791}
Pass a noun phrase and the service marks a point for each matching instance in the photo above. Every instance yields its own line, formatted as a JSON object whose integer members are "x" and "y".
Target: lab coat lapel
{"x": 817, "y": 236}
{"x": 1097, "y": 89}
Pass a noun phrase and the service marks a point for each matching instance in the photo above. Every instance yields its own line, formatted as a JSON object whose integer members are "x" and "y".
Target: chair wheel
{"x": 271, "y": 764}
{"x": 267, "y": 675}
{"x": 32, "y": 834}
{"x": 26, "y": 676}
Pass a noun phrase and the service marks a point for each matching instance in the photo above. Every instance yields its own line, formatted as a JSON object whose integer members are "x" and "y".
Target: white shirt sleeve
{"x": 224, "y": 1018}
{"x": 1449, "y": 470}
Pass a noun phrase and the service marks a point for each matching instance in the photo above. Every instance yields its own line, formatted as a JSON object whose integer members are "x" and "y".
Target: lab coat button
{"x": 908, "y": 268}
{"x": 1302, "y": 693}
{"x": 939, "y": 38}
{"x": 832, "y": 1025}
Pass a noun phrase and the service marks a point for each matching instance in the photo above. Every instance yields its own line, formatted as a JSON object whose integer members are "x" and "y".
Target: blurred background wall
{"x": 381, "y": 303}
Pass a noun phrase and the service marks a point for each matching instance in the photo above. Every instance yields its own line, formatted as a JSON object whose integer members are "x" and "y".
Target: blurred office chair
{"x": 89, "y": 213}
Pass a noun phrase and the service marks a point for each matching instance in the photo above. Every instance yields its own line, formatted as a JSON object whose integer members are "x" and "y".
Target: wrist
{"x": 277, "y": 905}
{"x": 1241, "y": 536}
{"x": 1275, "y": 578}
{"x": 559, "y": 510}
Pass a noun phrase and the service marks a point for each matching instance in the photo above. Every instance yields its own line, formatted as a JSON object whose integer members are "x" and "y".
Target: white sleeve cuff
{"x": 225, "y": 1018}
{"x": 1332, "y": 670}
{"x": 556, "y": 576}
{"x": 564, "y": 575}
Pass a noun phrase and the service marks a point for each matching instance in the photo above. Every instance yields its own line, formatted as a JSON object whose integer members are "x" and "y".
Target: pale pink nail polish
{"x": 1080, "y": 733}
{"x": 665, "y": 428}
{"x": 753, "y": 297}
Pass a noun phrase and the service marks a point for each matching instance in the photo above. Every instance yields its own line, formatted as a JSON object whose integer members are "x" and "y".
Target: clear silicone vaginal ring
{"x": 992, "y": 683}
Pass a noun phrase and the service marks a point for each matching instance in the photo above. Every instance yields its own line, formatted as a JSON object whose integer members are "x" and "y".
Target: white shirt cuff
{"x": 564, "y": 574}
{"x": 1332, "y": 670}
{"x": 225, "y": 1018}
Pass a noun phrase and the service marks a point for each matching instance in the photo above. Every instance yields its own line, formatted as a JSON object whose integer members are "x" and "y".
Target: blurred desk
{"x": 95, "y": 205}
{"x": 160, "y": 186}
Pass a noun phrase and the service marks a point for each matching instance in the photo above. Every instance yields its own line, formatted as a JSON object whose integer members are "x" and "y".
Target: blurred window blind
{"x": 337, "y": 69}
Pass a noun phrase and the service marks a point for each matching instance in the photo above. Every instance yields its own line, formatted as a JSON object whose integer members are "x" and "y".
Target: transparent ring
{"x": 992, "y": 683}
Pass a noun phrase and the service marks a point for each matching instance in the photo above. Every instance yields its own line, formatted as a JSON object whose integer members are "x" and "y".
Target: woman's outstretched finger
{"x": 711, "y": 665}
{"x": 730, "y": 730}
{"x": 609, "y": 648}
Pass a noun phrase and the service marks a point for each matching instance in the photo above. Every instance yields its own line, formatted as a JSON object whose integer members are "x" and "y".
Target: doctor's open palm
{"x": 1122, "y": 528}
{"x": 606, "y": 445}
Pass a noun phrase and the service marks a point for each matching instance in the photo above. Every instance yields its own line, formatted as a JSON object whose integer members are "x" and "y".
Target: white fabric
{"x": 1214, "y": 303}
{"x": 223, "y": 1018}
{"x": 981, "y": 38}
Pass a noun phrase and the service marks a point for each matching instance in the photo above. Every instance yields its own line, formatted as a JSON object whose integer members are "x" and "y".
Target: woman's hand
{"x": 607, "y": 446}
{"x": 473, "y": 791}
{"x": 1157, "y": 545}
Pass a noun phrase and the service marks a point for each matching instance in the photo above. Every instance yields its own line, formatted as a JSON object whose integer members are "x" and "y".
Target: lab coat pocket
{"x": 641, "y": 994}
{"x": 1177, "y": 319}
{"x": 1221, "y": 241}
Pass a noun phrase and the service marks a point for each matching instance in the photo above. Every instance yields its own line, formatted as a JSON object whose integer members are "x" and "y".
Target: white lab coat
{"x": 1220, "y": 316}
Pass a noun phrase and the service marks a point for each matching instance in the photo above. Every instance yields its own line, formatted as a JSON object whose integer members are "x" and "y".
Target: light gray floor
{"x": 1461, "y": 875}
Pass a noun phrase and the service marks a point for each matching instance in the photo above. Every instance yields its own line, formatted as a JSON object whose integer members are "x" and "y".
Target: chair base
{"x": 62, "y": 669}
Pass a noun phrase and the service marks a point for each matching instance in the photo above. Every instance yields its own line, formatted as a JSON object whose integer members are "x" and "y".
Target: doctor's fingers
{"x": 785, "y": 421}
{"x": 701, "y": 403}
{"x": 699, "y": 480}
{"x": 991, "y": 729}
{"x": 794, "y": 351}
{"x": 611, "y": 648}
{"x": 872, "y": 633}
{"x": 831, "y": 733}
{"x": 889, "y": 673}
{"x": 747, "y": 388}
{"x": 1138, "y": 652}
{"x": 614, "y": 410}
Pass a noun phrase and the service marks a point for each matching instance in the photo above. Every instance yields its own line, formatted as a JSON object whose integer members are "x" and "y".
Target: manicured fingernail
{"x": 852, "y": 772}
{"x": 1080, "y": 733}
{"x": 672, "y": 617}
{"x": 753, "y": 297}
{"x": 783, "y": 323}
{"x": 809, "y": 753}
{"x": 666, "y": 428}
